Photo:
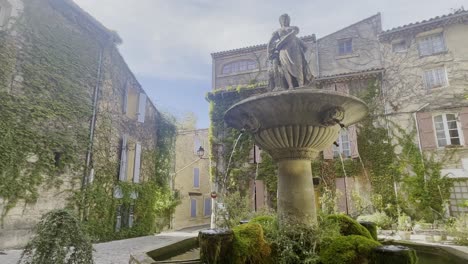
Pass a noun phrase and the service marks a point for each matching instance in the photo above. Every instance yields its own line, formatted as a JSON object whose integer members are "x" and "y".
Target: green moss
{"x": 371, "y": 227}
{"x": 353, "y": 249}
{"x": 269, "y": 225}
{"x": 249, "y": 245}
{"x": 349, "y": 226}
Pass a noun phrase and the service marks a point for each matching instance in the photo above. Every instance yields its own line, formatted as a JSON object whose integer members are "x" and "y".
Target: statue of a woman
{"x": 288, "y": 66}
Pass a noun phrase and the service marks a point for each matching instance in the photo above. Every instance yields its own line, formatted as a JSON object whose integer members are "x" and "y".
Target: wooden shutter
{"x": 207, "y": 206}
{"x": 136, "y": 169}
{"x": 426, "y": 130}
{"x": 142, "y": 108}
{"x": 342, "y": 87}
{"x": 193, "y": 208}
{"x": 123, "y": 159}
{"x": 196, "y": 177}
{"x": 352, "y": 136}
{"x": 463, "y": 116}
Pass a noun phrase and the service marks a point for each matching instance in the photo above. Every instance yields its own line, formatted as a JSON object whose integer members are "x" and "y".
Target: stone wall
{"x": 50, "y": 55}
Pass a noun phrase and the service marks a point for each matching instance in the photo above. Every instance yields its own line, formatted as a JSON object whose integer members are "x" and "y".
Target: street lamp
{"x": 200, "y": 152}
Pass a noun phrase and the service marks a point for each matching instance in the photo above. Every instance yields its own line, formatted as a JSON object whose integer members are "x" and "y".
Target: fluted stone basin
{"x": 293, "y": 126}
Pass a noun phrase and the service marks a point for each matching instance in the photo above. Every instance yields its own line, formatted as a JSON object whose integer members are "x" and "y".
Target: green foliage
{"x": 249, "y": 246}
{"x": 59, "y": 239}
{"x": 267, "y": 171}
{"x": 458, "y": 228}
{"x": 349, "y": 226}
{"x": 236, "y": 208}
{"x": 353, "y": 249}
{"x": 269, "y": 225}
{"x": 379, "y": 218}
{"x": 371, "y": 227}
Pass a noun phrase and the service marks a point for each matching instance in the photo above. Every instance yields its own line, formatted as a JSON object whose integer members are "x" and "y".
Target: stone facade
{"x": 192, "y": 180}
{"x": 425, "y": 87}
{"x": 52, "y": 46}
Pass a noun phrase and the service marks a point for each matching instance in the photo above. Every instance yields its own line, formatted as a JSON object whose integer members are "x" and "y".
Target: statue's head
{"x": 284, "y": 20}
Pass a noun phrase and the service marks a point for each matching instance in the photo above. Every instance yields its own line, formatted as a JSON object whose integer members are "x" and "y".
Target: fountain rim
{"x": 299, "y": 90}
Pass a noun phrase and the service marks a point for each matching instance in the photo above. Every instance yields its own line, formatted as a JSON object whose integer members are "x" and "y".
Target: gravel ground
{"x": 118, "y": 252}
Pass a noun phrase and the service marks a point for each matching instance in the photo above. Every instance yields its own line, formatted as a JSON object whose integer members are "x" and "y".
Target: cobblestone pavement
{"x": 118, "y": 252}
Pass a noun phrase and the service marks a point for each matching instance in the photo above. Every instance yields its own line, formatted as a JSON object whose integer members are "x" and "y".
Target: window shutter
{"x": 352, "y": 134}
{"x": 463, "y": 116}
{"x": 123, "y": 159}
{"x": 125, "y": 100}
{"x": 141, "y": 108}
{"x": 252, "y": 155}
{"x": 342, "y": 87}
{"x": 196, "y": 177}
{"x": 207, "y": 206}
{"x": 193, "y": 208}
{"x": 136, "y": 169}
{"x": 426, "y": 130}
{"x": 328, "y": 153}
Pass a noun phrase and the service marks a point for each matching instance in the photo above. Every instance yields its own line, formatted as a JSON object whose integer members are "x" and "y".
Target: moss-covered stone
{"x": 371, "y": 227}
{"x": 349, "y": 226}
{"x": 352, "y": 249}
{"x": 215, "y": 246}
{"x": 249, "y": 245}
{"x": 394, "y": 255}
{"x": 269, "y": 224}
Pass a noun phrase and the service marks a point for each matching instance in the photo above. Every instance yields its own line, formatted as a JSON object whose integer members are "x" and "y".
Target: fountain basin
{"x": 293, "y": 126}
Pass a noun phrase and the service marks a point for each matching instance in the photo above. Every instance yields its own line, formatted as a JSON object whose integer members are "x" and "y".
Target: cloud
{"x": 173, "y": 39}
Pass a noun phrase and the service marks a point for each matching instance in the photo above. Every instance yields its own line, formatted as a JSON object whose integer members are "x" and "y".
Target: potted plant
{"x": 404, "y": 227}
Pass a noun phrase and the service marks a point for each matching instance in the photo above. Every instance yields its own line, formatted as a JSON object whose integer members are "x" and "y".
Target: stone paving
{"x": 118, "y": 252}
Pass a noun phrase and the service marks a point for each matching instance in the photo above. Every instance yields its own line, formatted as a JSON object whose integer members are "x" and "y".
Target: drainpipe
{"x": 85, "y": 179}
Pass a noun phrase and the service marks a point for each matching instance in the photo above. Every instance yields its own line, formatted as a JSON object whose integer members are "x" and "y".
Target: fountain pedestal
{"x": 293, "y": 126}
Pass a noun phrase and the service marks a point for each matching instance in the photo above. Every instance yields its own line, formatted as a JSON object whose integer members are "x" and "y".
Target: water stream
{"x": 230, "y": 159}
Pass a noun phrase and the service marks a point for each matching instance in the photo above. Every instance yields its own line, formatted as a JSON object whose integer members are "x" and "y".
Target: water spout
{"x": 230, "y": 158}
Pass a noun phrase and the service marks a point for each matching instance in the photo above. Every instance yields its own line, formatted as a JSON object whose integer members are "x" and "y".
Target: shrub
{"x": 59, "y": 239}
{"x": 349, "y": 226}
{"x": 249, "y": 245}
{"x": 269, "y": 225}
{"x": 352, "y": 249}
{"x": 379, "y": 218}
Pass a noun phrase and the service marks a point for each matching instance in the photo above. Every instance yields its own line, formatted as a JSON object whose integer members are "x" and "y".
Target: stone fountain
{"x": 294, "y": 122}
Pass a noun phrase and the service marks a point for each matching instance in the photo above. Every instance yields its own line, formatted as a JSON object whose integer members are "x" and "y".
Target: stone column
{"x": 296, "y": 196}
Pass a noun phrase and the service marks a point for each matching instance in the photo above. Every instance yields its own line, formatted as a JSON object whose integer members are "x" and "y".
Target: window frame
{"x": 209, "y": 207}
{"x": 237, "y": 65}
{"x": 447, "y": 136}
{"x": 401, "y": 42}
{"x": 340, "y": 149}
{"x": 458, "y": 196}
{"x": 191, "y": 208}
{"x": 195, "y": 176}
{"x": 432, "y": 70}
{"x": 344, "y": 41}
{"x": 420, "y": 39}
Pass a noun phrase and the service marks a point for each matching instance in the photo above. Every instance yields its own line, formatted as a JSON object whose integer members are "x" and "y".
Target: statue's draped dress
{"x": 291, "y": 56}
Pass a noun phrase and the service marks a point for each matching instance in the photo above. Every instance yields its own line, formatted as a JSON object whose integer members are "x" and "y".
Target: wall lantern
{"x": 200, "y": 152}
{"x": 213, "y": 195}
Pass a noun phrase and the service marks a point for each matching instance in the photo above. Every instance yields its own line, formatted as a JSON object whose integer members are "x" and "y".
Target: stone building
{"x": 421, "y": 68}
{"x": 425, "y": 86}
{"x": 345, "y": 61}
{"x": 192, "y": 179}
{"x": 74, "y": 120}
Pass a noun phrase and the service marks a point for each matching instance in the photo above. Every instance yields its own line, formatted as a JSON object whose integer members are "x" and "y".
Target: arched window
{"x": 239, "y": 66}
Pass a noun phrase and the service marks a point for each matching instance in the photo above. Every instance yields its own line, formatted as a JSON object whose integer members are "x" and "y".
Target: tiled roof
{"x": 334, "y": 77}
{"x": 429, "y": 22}
{"x": 253, "y": 48}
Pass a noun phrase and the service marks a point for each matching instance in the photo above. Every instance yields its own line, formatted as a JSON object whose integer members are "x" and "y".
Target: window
{"x": 196, "y": 178}
{"x": 344, "y": 147}
{"x": 459, "y": 197}
{"x": 434, "y": 78}
{"x": 193, "y": 208}
{"x": 431, "y": 44}
{"x": 124, "y": 217}
{"x": 399, "y": 46}
{"x": 207, "y": 206}
{"x": 345, "y": 46}
{"x": 446, "y": 128}
{"x": 239, "y": 66}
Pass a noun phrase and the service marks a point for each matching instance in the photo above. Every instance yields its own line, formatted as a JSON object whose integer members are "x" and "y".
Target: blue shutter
{"x": 141, "y": 108}
{"x": 193, "y": 208}
{"x": 196, "y": 178}
{"x": 207, "y": 211}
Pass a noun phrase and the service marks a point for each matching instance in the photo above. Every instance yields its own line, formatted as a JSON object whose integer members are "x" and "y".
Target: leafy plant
{"x": 59, "y": 239}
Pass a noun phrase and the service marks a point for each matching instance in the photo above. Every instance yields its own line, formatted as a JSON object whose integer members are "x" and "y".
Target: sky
{"x": 167, "y": 43}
